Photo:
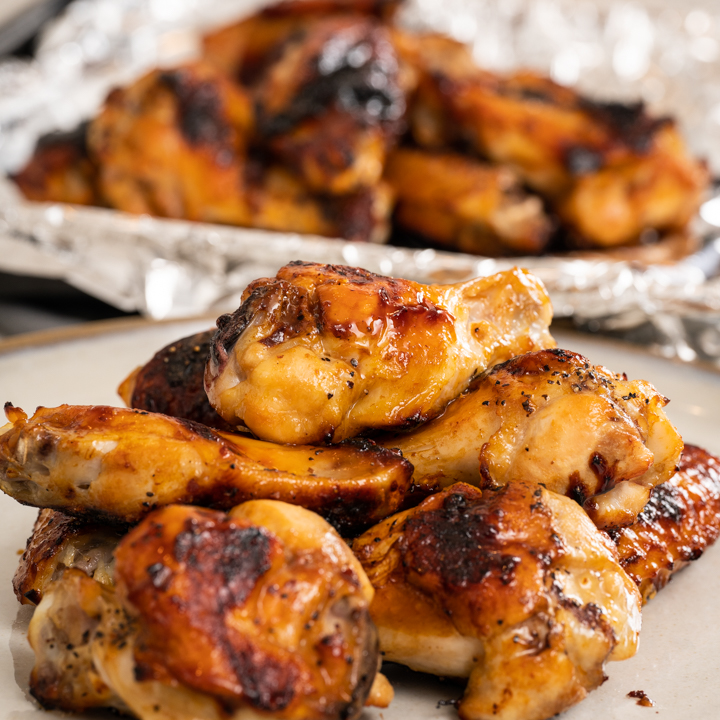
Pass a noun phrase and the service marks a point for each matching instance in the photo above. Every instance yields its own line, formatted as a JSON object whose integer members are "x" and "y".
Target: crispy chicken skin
{"x": 260, "y": 613}
{"x": 171, "y": 382}
{"x": 60, "y": 170}
{"x": 325, "y": 352}
{"x": 466, "y": 204}
{"x": 680, "y": 521}
{"x": 117, "y": 464}
{"x": 551, "y": 417}
{"x": 59, "y": 542}
{"x": 173, "y": 144}
{"x": 610, "y": 170}
{"x": 513, "y": 588}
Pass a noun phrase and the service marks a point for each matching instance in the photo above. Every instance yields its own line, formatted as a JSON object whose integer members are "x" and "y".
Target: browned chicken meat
{"x": 59, "y": 542}
{"x": 117, "y": 464}
{"x": 611, "y": 170}
{"x": 60, "y": 170}
{"x": 552, "y": 418}
{"x": 680, "y": 521}
{"x": 173, "y": 144}
{"x": 514, "y": 589}
{"x": 260, "y": 613}
{"x": 324, "y": 352}
{"x": 171, "y": 382}
{"x": 462, "y": 203}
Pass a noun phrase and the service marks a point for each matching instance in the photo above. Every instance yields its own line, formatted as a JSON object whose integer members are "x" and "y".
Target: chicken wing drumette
{"x": 514, "y": 589}
{"x": 324, "y": 352}
{"x": 260, "y": 613}
{"x": 116, "y": 465}
{"x": 609, "y": 170}
{"x": 680, "y": 521}
{"x": 552, "y": 418}
{"x": 173, "y": 144}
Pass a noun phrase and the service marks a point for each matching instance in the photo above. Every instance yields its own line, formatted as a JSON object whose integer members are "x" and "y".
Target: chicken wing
{"x": 173, "y": 144}
{"x": 325, "y": 352}
{"x": 60, "y": 170}
{"x": 514, "y": 588}
{"x": 59, "y": 542}
{"x": 610, "y": 170}
{"x": 552, "y": 418}
{"x": 680, "y": 521}
{"x": 260, "y": 613}
{"x": 117, "y": 465}
{"x": 465, "y": 204}
{"x": 171, "y": 383}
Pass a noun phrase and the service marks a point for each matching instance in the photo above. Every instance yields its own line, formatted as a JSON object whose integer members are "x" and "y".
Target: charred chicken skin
{"x": 552, "y": 418}
{"x": 263, "y": 612}
{"x": 680, "y": 521}
{"x": 324, "y": 352}
{"x": 465, "y": 204}
{"x": 118, "y": 465}
{"x": 174, "y": 144}
{"x": 513, "y": 588}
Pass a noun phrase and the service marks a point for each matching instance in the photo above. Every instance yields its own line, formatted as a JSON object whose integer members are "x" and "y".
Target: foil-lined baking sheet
{"x": 665, "y": 53}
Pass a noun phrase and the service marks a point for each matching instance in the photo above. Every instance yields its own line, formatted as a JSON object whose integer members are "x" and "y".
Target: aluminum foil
{"x": 668, "y": 54}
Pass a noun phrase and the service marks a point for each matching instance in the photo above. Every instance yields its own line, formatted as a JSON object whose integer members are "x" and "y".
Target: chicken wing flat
{"x": 60, "y": 170}
{"x": 325, "y": 352}
{"x": 260, "y": 613}
{"x": 552, "y": 418}
{"x": 117, "y": 464}
{"x": 466, "y": 204}
{"x": 171, "y": 382}
{"x": 514, "y": 588}
{"x": 59, "y": 542}
{"x": 611, "y": 170}
{"x": 173, "y": 144}
{"x": 680, "y": 521}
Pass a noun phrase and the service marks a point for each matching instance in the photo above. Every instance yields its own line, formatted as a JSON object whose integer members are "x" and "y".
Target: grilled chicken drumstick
{"x": 119, "y": 464}
{"x": 514, "y": 588}
{"x": 552, "y": 418}
{"x": 324, "y": 352}
{"x": 259, "y": 613}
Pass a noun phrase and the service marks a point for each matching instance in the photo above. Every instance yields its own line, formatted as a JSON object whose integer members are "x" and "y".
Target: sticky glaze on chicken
{"x": 59, "y": 542}
{"x": 324, "y": 352}
{"x": 551, "y": 417}
{"x": 171, "y": 382}
{"x": 117, "y": 464}
{"x": 680, "y": 521}
{"x": 465, "y": 204}
{"x": 514, "y": 589}
{"x": 60, "y": 170}
{"x": 173, "y": 144}
{"x": 610, "y": 170}
{"x": 260, "y": 613}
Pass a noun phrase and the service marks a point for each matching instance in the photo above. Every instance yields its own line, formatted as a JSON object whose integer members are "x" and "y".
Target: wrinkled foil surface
{"x": 666, "y": 53}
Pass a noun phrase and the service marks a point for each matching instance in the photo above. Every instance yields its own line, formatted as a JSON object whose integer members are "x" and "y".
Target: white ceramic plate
{"x": 678, "y": 664}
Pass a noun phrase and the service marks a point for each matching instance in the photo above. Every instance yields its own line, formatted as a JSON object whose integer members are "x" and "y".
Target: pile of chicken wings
{"x": 327, "y": 117}
{"x": 352, "y": 467}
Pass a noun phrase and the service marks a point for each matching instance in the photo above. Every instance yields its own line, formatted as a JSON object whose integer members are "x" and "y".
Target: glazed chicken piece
{"x": 260, "y": 613}
{"x": 116, "y": 465}
{"x": 60, "y": 170}
{"x": 514, "y": 589}
{"x": 324, "y": 352}
{"x": 680, "y": 521}
{"x": 552, "y": 418}
{"x": 610, "y": 170}
{"x": 173, "y": 144}
{"x": 171, "y": 382}
{"x": 331, "y": 104}
{"x": 59, "y": 542}
{"x": 465, "y": 204}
